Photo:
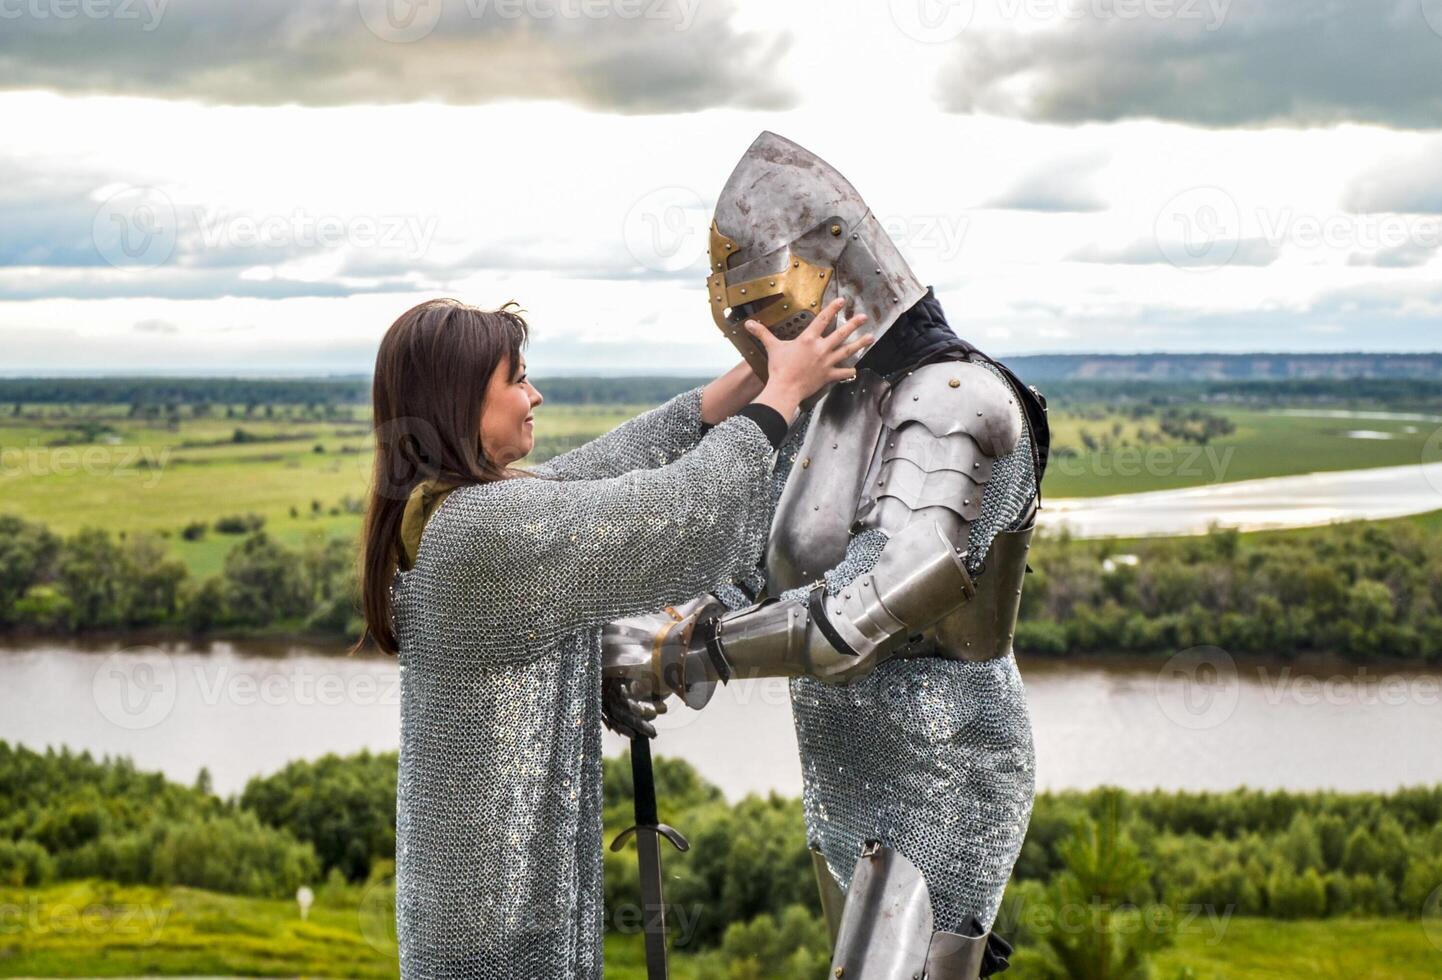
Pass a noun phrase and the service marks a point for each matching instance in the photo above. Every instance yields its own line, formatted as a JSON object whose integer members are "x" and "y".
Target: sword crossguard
{"x": 677, "y": 839}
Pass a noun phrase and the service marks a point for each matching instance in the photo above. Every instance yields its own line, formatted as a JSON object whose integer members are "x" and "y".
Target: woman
{"x": 492, "y": 583}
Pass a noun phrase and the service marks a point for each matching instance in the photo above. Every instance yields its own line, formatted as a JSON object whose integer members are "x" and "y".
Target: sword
{"x": 648, "y": 832}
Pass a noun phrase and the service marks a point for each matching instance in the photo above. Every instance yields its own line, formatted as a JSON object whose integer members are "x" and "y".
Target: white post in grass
{"x": 303, "y": 897}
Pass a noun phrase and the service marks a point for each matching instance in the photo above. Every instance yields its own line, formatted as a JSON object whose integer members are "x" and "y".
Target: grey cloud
{"x": 1408, "y": 256}
{"x": 1212, "y": 63}
{"x": 665, "y": 56}
{"x": 1060, "y": 187}
{"x": 1408, "y": 185}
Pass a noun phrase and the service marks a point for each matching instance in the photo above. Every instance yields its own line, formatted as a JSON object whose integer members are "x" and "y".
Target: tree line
{"x": 1368, "y": 591}
{"x": 745, "y": 891}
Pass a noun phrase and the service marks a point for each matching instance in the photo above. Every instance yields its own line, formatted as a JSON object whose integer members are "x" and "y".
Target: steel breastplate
{"x": 825, "y": 494}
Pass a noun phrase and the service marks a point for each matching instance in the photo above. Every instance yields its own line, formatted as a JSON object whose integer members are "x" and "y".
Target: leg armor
{"x": 886, "y": 933}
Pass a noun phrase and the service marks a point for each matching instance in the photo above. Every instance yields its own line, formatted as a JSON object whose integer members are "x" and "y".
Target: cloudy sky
{"x": 262, "y": 186}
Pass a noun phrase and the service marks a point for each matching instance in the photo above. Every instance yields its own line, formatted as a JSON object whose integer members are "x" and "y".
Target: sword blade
{"x": 648, "y": 854}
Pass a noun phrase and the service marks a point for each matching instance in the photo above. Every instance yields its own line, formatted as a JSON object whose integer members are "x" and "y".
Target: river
{"x": 1197, "y": 721}
{"x": 1305, "y": 500}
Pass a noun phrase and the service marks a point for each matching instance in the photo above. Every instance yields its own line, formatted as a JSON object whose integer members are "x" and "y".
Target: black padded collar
{"x": 917, "y": 336}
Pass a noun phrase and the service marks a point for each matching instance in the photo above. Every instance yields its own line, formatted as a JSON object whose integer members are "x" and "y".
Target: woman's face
{"x": 507, "y": 426}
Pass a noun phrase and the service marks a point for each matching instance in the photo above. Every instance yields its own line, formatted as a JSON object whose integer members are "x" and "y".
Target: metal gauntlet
{"x": 919, "y": 578}
{"x": 655, "y": 653}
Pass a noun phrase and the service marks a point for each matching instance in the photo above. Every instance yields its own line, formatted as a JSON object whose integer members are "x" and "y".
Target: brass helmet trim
{"x": 794, "y": 296}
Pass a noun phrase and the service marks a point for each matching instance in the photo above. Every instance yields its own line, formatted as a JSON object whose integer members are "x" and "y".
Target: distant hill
{"x": 1224, "y": 367}
{"x": 1092, "y": 375}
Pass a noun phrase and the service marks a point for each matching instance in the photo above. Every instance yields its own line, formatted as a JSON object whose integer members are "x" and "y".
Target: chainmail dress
{"x": 927, "y": 755}
{"x": 498, "y": 805}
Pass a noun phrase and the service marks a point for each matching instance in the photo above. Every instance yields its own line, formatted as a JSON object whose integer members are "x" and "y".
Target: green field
{"x": 309, "y": 476}
{"x": 1263, "y": 445}
{"x": 96, "y": 929}
{"x": 147, "y": 476}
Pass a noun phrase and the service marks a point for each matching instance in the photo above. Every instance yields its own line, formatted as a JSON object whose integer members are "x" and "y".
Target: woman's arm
{"x": 515, "y": 564}
{"x": 729, "y": 393}
{"x": 659, "y": 436}
{"x": 653, "y": 438}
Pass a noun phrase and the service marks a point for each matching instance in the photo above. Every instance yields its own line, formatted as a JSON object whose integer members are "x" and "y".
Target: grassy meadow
{"x": 76, "y": 465}
{"x": 93, "y": 928}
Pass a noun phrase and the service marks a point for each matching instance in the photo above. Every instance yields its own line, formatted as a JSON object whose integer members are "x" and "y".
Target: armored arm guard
{"x": 944, "y": 425}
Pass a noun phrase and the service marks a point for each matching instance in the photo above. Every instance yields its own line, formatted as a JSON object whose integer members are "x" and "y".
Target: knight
{"x": 904, "y": 506}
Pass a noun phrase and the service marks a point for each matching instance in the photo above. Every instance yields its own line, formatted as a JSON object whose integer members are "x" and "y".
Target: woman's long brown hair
{"x": 430, "y": 380}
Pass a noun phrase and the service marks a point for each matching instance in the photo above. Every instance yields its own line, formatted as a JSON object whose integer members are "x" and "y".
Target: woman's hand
{"x": 799, "y": 368}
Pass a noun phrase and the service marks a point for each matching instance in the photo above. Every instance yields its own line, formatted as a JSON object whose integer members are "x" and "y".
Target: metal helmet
{"x": 790, "y": 234}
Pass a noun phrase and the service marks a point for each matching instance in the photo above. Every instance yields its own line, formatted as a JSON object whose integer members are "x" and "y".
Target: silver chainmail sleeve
{"x": 498, "y": 808}
{"x": 653, "y": 438}
{"x": 931, "y": 756}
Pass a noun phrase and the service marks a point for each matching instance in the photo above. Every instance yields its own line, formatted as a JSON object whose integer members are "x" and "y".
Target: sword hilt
{"x": 643, "y": 782}
{"x": 677, "y": 839}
